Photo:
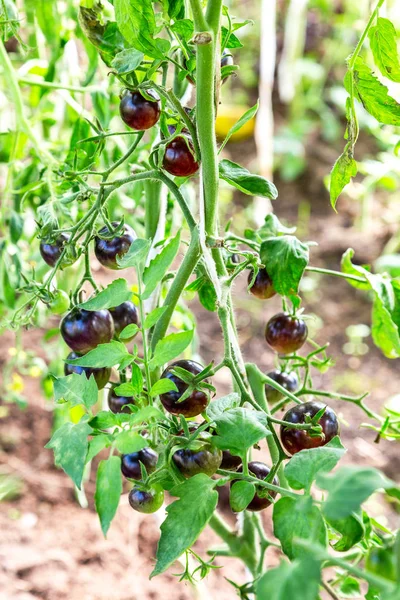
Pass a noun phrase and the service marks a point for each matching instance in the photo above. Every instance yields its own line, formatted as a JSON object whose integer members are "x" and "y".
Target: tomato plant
{"x": 82, "y": 197}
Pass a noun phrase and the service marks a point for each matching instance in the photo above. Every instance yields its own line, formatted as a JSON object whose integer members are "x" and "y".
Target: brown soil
{"x": 52, "y": 549}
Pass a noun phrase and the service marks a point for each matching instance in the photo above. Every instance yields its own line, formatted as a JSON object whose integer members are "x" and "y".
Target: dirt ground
{"x": 52, "y": 549}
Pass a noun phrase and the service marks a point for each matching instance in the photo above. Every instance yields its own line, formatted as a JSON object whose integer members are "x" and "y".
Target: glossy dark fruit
{"x": 206, "y": 459}
{"x": 117, "y": 404}
{"x": 230, "y": 461}
{"x": 295, "y": 440}
{"x": 130, "y": 463}
{"x": 138, "y": 112}
{"x": 262, "y": 497}
{"x": 107, "y": 250}
{"x": 195, "y": 403}
{"x": 123, "y": 315}
{"x": 286, "y": 334}
{"x": 226, "y": 61}
{"x": 179, "y": 159}
{"x": 83, "y": 330}
{"x": 262, "y": 287}
{"x": 51, "y": 251}
{"x": 287, "y": 380}
{"x": 146, "y": 501}
{"x": 101, "y": 375}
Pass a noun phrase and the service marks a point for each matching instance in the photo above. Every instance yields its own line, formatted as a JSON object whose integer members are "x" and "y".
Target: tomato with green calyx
{"x": 123, "y": 315}
{"x": 286, "y": 334}
{"x": 289, "y": 381}
{"x": 179, "y": 157}
{"x": 138, "y": 112}
{"x": 118, "y": 404}
{"x": 107, "y": 250}
{"x": 101, "y": 375}
{"x": 204, "y": 459}
{"x": 195, "y": 403}
{"x": 148, "y": 500}
{"x": 51, "y": 250}
{"x": 83, "y": 330}
{"x": 59, "y": 303}
{"x": 262, "y": 287}
{"x": 295, "y": 440}
{"x": 263, "y": 497}
{"x": 230, "y": 462}
{"x": 130, "y": 463}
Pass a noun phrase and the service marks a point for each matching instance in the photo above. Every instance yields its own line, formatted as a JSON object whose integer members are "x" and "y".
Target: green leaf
{"x": 383, "y": 42}
{"x": 154, "y": 273}
{"x": 303, "y": 467}
{"x": 241, "y": 494}
{"x": 113, "y": 295}
{"x": 136, "y": 255}
{"x": 232, "y": 41}
{"x": 136, "y": 379}
{"x": 285, "y": 259}
{"x": 207, "y": 294}
{"x": 154, "y": 316}
{"x": 247, "y": 116}
{"x": 351, "y": 529}
{"x": 136, "y": 22}
{"x": 125, "y": 389}
{"x": 145, "y": 414}
{"x": 48, "y": 20}
{"x": 348, "y": 267}
{"x": 127, "y": 61}
{"x": 385, "y": 332}
{"x": 299, "y": 579}
{"x": 372, "y": 94}
{"x": 127, "y": 442}
{"x": 176, "y": 9}
{"x": 104, "y": 355}
{"x": 184, "y": 28}
{"x": 240, "y": 428}
{"x": 350, "y": 588}
{"x": 96, "y": 445}
{"x": 343, "y": 170}
{"x": 273, "y": 228}
{"x": 349, "y": 487}
{"x": 186, "y": 519}
{"x": 170, "y": 347}
{"x": 76, "y": 389}
{"x": 162, "y": 386}
{"x": 241, "y": 179}
{"x": 108, "y": 490}
{"x": 128, "y": 332}
{"x": 70, "y": 446}
{"x": 216, "y": 408}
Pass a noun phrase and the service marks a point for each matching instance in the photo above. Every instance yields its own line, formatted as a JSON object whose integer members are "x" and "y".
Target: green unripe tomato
{"x": 59, "y": 303}
{"x": 146, "y": 501}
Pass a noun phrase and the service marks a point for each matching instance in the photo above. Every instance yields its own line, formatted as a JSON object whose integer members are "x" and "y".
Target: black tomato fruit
{"x": 286, "y": 334}
{"x": 289, "y": 381}
{"x": 206, "y": 459}
{"x": 295, "y": 440}
{"x": 101, "y": 375}
{"x": 262, "y": 497}
{"x": 138, "y": 112}
{"x": 130, "y": 463}
{"x": 195, "y": 403}
{"x": 226, "y": 61}
{"x": 51, "y": 251}
{"x": 262, "y": 287}
{"x": 230, "y": 462}
{"x": 179, "y": 159}
{"x": 83, "y": 330}
{"x": 106, "y": 251}
{"x": 146, "y": 501}
{"x": 123, "y": 315}
{"x": 117, "y": 404}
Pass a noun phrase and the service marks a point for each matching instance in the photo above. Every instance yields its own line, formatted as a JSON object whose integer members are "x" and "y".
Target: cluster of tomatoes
{"x": 83, "y": 330}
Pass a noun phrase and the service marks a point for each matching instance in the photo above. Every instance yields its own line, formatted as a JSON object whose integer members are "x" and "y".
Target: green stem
{"x": 234, "y": 542}
{"x": 364, "y": 35}
{"x": 144, "y": 337}
{"x": 152, "y": 203}
{"x": 259, "y": 482}
{"x": 336, "y": 274}
{"x": 198, "y": 16}
{"x": 58, "y": 86}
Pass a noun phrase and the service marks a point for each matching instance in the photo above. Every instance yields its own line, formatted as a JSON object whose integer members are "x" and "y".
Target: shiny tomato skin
{"x": 83, "y": 330}
{"x": 107, "y": 250}
{"x": 286, "y": 334}
{"x": 123, "y": 315}
{"x": 146, "y": 501}
{"x": 295, "y": 440}
{"x": 130, "y": 463}
{"x": 289, "y": 381}
{"x": 51, "y": 251}
{"x": 195, "y": 403}
{"x": 117, "y": 404}
{"x": 179, "y": 159}
{"x": 262, "y": 287}
{"x": 230, "y": 462}
{"x": 207, "y": 459}
{"x": 261, "y": 471}
{"x": 101, "y": 375}
{"x": 137, "y": 112}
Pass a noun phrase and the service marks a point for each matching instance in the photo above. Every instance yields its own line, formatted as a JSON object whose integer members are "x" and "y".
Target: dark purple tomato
{"x": 117, "y": 404}
{"x": 230, "y": 461}
{"x": 179, "y": 159}
{"x": 146, "y": 501}
{"x": 51, "y": 251}
{"x": 287, "y": 380}
{"x": 101, "y": 375}
{"x": 107, "y": 250}
{"x": 123, "y": 315}
{"x": 195, "y": 403}
{"x": 286, "y": 334}
{"x": 138, "y": 112}
{"x": 226, "y": 61}
{"x": 207, "y": 459}
{"x": 295, "y": 440}
{"x": 262, "y": 287}
{"x": 262, "y": 497}
{"x": 83, "y": 330}
{"x": 130, "y": 463}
